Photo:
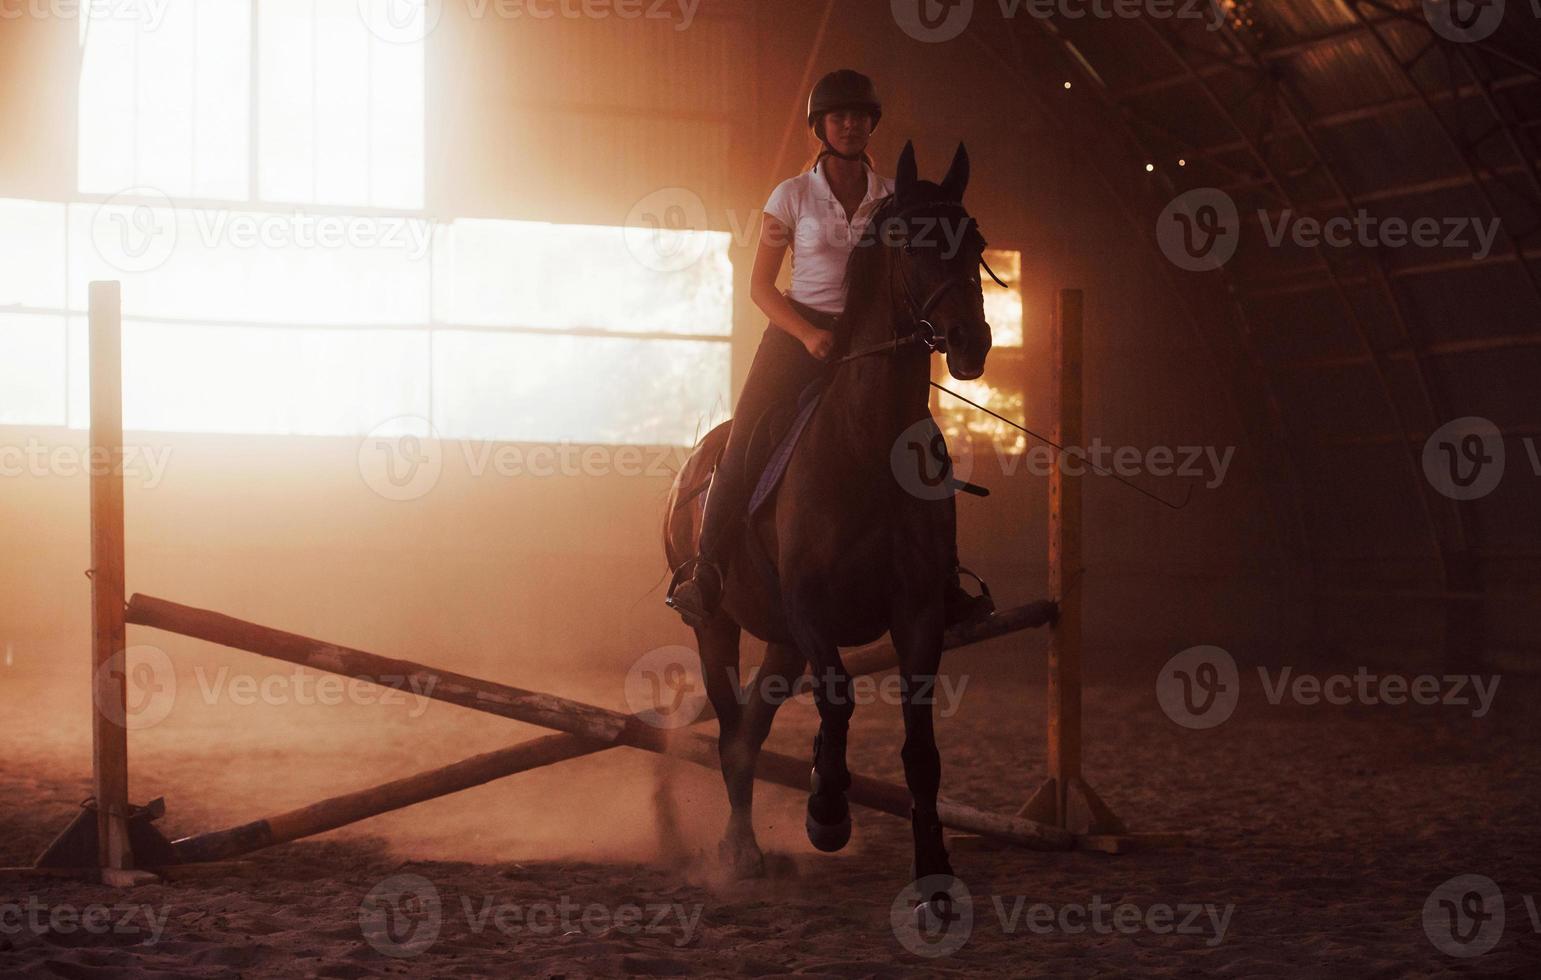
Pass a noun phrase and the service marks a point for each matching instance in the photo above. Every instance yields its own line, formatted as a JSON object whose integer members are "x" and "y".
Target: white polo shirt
{"x": 822, "y": 239}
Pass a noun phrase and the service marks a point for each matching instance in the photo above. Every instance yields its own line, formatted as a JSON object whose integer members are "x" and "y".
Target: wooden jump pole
{"x": 109, "y": 686}
{"x": 545, "y": 750}
{"x": 599, "y": 727}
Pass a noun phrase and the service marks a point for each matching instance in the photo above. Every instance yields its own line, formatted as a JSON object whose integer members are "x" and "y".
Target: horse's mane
{"x": 863, "y": 268}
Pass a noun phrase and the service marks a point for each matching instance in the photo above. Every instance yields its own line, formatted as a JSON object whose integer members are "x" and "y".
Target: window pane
{"x": 163, "y": 100}
{"x": 342, "y": 105}
{"x": 286, "y": 111}
{"x": 1003, "y": 307}
{"x": 32, "y": 252}
{"x": 998, "y": 390}
{"x": 341, "y": 109}
{"x": 490, "y": 385}
{"x": 108, "y": 115}
{"x": 396, "y": 125}
{"x": 222, "y": 101}
{"x": 164, "y": 72}
{"x": 32, "y": 365}
{"x": 529, "y": 274}
{"x": 263, "y": 267}
{"x": 986, "y": 434}
{"x": 195, "y": 378}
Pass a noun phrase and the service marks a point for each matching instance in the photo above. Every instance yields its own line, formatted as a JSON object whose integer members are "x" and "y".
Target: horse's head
{"x": 939, "y": 253}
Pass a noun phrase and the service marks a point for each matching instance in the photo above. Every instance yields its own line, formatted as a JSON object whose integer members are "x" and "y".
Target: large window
{"x": 243, "y": 321}
{"x": 253, "y": 173}
{"x": 168, "y": 105}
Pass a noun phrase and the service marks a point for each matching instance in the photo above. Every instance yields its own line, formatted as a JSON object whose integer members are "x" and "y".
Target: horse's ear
{"x": 956, "y": 181}
{"x": 904, "y": 174}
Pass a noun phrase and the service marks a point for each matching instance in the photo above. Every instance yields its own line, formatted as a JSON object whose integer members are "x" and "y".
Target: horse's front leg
{"x": 917, "y": 635}
{"x": 829, "y": 813}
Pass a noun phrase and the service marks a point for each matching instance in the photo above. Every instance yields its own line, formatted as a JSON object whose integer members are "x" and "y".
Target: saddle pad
{"x": 770, "y": 477}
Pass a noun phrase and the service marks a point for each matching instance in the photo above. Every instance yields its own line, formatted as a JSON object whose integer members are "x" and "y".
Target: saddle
{"x": 770, "y": 448}
{"x": 774, "y": 439}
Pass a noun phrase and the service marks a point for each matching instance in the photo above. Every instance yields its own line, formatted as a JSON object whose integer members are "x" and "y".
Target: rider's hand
{"x": 820, "y": 343}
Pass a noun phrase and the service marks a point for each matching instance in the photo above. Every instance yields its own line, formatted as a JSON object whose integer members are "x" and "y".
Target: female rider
{"x": 821, "y": 214}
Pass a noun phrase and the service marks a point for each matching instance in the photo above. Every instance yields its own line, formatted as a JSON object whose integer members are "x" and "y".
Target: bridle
{"x": 922, "y": 331}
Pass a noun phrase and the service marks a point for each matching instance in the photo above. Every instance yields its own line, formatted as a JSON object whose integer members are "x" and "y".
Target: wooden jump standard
{"x": 1063, "y": 812}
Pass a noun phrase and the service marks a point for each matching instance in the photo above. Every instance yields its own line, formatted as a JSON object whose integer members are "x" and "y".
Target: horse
{"x": 855, "y": 554}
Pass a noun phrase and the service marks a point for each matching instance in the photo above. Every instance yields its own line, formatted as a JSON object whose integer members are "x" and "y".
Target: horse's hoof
{"x": 935, "y": 914}
{"x": 827, "y": 835}
{"x": 746, "y": 860}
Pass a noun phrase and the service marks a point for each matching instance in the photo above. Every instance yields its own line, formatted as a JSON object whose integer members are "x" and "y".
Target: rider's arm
{"x": 775, "y": 238}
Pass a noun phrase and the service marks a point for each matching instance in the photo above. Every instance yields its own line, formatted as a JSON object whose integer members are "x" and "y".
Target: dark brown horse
{"x": 856, "y": 553}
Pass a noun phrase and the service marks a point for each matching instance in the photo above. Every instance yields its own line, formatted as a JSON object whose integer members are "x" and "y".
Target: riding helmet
{"x": 843, "y": 89}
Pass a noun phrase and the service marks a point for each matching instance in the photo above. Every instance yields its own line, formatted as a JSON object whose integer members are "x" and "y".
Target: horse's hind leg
{"x": 770, "y": 688}
{"x": 717, "y": 643}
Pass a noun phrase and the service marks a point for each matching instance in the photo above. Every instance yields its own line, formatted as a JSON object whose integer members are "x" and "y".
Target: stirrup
{"x": 984, "y": 588}
{"x": 693, "y": 613}
{"x": 969, "y": 608}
